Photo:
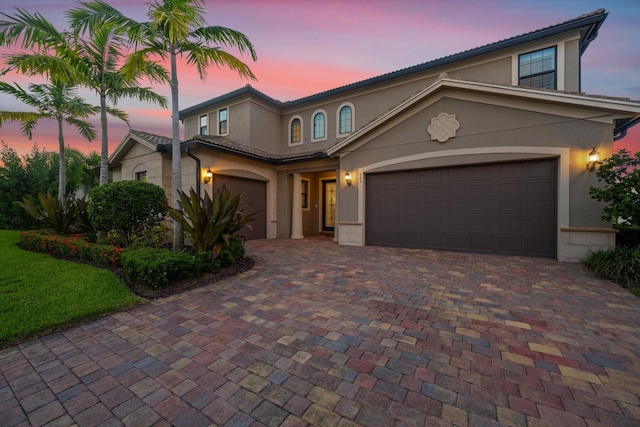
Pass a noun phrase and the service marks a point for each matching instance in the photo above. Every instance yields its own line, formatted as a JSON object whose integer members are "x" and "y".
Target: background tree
{"x": 56, "y": 101}
{"x": 37, "y": 172}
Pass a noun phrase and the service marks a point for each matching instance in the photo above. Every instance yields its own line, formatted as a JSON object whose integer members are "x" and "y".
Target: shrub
{"x": 620, "y": 189}
{"x": 231, "y": 254}
{"x": 211, "y": 223}
{"x": 127, "y": 207}
{"x": 73, "y": 247}
{"x": 155, "y": 268}
{"x": 620, "y": 264}
{"x": 64, "y": 218}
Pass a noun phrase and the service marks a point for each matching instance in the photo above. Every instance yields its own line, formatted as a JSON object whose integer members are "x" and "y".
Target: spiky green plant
{"x": 211, "y": 223}
{"x": 64, "y": 217}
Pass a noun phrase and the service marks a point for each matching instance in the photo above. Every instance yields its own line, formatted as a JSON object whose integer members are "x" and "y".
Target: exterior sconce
{"x": 208, "y": 175}
{"x": 347, "y": 178}
{"x": 594, "y": 159}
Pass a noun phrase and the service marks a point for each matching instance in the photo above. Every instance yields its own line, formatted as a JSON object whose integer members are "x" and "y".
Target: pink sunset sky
{"x": 309, "y": 46}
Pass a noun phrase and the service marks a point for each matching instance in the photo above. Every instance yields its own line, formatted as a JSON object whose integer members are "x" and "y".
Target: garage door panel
{"x": 507, "y": 208}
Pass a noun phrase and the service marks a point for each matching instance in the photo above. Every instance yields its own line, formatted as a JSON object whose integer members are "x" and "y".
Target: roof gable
{"x": 149, "y": 140}
{"x": 625, "y": 108}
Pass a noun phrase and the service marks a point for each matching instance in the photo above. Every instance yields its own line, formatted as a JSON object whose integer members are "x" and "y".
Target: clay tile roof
{"x": 151, "y": 138}
{"x": 228, "y": 145}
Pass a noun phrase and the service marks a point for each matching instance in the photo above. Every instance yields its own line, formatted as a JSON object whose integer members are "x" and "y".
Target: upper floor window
{"x": 203, "y": 125}
{"x": 538, "y": 68}
{"x": 295, "y": 131}
{"x": 319, "y": 126}
{"x": 345, "y": 119}
{"x": 141, "y": 176}
{"x": 223, "y": 123}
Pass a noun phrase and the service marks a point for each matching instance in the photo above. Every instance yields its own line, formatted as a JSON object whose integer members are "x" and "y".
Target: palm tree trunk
{"x": 104, "y": 152}
{"x": 178, "y": 236}
{"x": 62, "y": 171}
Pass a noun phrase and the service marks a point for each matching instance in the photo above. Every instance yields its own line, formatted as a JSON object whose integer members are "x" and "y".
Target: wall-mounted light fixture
{"x": 208, "y": 175}
{"x": 594, "y": 159}
{"x": 347, "y": 178}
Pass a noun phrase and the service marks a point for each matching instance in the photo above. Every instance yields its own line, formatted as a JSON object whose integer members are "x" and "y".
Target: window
{"x": 538, "y": 69}
{"x": 319, "y": 128}
{"x": 345, "y": 120}
{"x": 223, "y": 127}
{"x": 203, "y": 125}
{"x": 141, "y": 176}
{"x": 305, "y": 193}
{"x": 295, "y": 131}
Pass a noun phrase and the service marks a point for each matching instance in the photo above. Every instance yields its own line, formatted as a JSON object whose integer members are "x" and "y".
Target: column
{"x": 296, "y": 208}
{"x": 336, "y": 229}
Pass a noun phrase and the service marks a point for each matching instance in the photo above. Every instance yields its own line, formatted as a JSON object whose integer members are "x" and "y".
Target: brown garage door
{"x": 253, "y": 200}
{"x": 502, "y": 208}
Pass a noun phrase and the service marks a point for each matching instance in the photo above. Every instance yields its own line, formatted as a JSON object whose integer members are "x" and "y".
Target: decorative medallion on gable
{"x": 443, "y": 127}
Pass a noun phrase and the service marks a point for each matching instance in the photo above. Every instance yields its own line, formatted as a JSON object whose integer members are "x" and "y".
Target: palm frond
{"x": 145, "y": 94}
{"x": 85, "y": 128}
{"x": 20, "y": 94}
{"x": 34, "y": 30}
{"x": 55, "y": 67}
{"x": 203, "y": 56}
{"x": 226, "y": 37}
{"x": 29, "y": 120}
{"x": 115, "y": 112}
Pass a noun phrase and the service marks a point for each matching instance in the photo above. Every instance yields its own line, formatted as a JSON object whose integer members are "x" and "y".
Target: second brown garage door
{"x": 253, "y": 200}
{"x": 502, "y": 208}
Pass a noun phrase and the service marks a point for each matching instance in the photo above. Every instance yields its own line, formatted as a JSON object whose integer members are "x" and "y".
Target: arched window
{"x": 345, "y": 120}
{"x": 295, "y": 131}
{"x": 319, "y": 126}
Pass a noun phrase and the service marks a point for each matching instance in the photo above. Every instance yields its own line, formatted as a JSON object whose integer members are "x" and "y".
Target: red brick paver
{"x": 328, "y": 335}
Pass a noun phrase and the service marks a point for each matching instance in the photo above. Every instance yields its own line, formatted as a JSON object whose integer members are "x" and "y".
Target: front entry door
{"x": 329, "y": 212}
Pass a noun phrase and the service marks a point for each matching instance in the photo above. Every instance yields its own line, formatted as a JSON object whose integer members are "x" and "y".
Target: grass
{"x": 40, "y": 294}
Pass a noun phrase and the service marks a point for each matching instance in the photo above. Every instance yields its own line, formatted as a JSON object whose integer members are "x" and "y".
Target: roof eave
{"x": 196, "y": 143}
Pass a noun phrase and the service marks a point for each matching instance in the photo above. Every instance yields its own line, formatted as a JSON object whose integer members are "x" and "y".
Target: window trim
{"x": 313, "y": 126}
{"x": 289, "y": 139}
{"x": 206, "y": 124}
{"x": 226, "y": 109}
{"x": 353, "y": 119}
{"x": 555, "y": 71}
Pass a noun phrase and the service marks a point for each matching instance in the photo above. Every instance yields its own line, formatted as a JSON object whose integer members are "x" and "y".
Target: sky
{"x": 309, "y": 46}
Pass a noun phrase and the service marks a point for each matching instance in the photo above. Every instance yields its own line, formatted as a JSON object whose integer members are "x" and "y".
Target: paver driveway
{"x": 329, "y": 335}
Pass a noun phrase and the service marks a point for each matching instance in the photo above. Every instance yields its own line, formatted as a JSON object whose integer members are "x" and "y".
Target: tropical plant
{"x": 98, "y": 58}
{"x": 620, "y": 189}
{"x": 175, "y": 29}
{"x": 66, "y": 217}
{"x": 211, "y": 223}
{"x": 127, "y": 207}
{"x": 56, "y": 101}
{"x": 620, "y": 264}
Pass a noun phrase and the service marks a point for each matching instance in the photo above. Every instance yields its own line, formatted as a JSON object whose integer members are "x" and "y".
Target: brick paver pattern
{"x": 327, "y": 335}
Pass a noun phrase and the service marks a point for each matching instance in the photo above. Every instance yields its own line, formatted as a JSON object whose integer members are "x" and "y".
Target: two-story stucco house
{"x": 485, "y": 150}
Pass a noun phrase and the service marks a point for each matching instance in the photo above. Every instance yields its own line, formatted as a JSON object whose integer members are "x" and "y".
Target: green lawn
{"x": 39, "y": 293}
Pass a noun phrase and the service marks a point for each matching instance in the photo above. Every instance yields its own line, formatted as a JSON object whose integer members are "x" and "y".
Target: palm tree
{"x": 55, "y": 101}
{"x": 98, "y": 58}
{"x": 176, "y": 28}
